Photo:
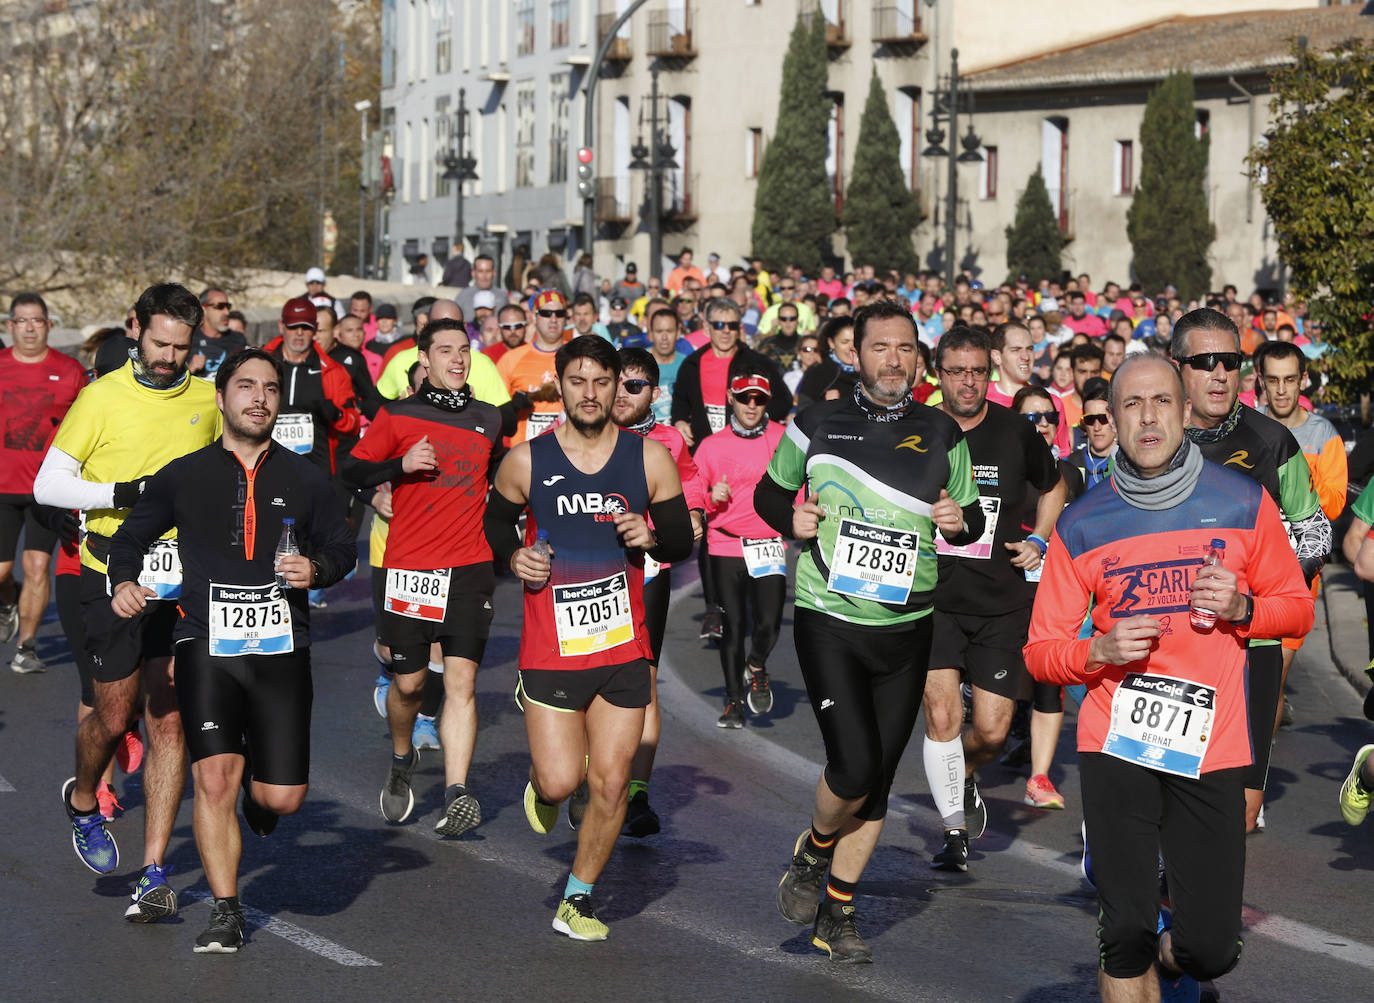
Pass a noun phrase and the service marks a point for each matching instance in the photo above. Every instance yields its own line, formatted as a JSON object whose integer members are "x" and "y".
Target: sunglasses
{"x": 1207, "y": 361}
{"x": 217, "y": 306}
{"x": 511, "y": 327}
{"x": 787, "y": 320}
{"x": 726, "y": 325}
{"x": 1036, "y": 417}
{"x": 808, "y": 349}
{"x": 635, "y": 386}
{"x": 752, "y": 398}
{"x": 553, "y": 313}
{"x": 786, "y": 289}
{"x": 1095, "y": 419}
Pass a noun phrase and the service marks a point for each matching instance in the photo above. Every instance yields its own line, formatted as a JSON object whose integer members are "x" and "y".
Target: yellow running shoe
{"x": 1355, "y": 800}
{"x": 541, "y": 815}
{"x": 577, "y": 919}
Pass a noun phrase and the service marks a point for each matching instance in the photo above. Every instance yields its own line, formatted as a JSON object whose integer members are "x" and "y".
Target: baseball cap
{"x": 618, "y": 303}
{"x": 315, "y": 275}
{"x": 299, "y": 312}
{"x": 630, "y": 269}
{"x": 484, "y": 298}
{"x": 385, "y": 310}
{"x": 743, "y": 384}
{"x": 549, "y": 299}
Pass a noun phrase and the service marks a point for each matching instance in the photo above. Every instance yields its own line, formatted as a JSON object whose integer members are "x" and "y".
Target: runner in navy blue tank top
{"x": 584, "y": 651}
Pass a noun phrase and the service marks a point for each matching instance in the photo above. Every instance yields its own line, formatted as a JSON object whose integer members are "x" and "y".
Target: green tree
{"x": 1034, "y": 242}
{"x": 1316, "y": 176}
{"x": 879, "y": 209}
{"x": 1168, "y": 222}
{"x": 794, "y": 215}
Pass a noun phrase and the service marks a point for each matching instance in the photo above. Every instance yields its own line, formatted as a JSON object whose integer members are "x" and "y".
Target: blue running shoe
{"x": 425, "y": 735}
{"x": 153, "y": 897}
{"x": 380, "y": 687}
{"x": 91, "y": 840}
{"x": 1087, "y": 866}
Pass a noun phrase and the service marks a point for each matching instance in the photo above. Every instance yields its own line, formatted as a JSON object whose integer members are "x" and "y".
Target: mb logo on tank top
{"x": 602, "y": 507}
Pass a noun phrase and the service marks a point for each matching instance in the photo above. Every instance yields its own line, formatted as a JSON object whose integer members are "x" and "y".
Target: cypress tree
{"x": 1033, "y": 241}
{"x": 794, "y": 215}
{"x": 879, "y": 209}
{"x": 1168, "y": 222}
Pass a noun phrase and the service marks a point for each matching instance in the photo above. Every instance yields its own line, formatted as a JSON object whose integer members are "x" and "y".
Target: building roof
{"x": 1208, "y": 46}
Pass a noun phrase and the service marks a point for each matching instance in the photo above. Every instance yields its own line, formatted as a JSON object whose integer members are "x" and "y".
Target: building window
{"x": 443, "y": 126}
{"x": 558, "y": 128}
{"x": 559, "y": 24}
{"x": 987, "y": 173}
{"x": 388, "y": 43}
{"x": 1054, "y": 165}
{"x": 524, "y": 29}
{"x": 443, "y": 49}
{"x": 834, "y": 154}
{"x": 907, "y": 118}
{"x": 1123, "y": 167}
{"x": 524, "y": 134}
{"x": 753, "y": 152}
{"x": 1202, "y": 123}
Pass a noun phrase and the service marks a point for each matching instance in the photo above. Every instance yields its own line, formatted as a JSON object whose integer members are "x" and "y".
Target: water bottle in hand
{"x": 541, "y": 547}
{"x": 286, "y": 545}
{"x": 1205, "y": 619}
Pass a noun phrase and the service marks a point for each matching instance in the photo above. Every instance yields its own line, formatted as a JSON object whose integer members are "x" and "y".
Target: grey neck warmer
{"x": 1171, "y": 488}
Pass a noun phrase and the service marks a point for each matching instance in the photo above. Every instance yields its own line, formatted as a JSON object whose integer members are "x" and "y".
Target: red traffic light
{"x": 584, "y": 156}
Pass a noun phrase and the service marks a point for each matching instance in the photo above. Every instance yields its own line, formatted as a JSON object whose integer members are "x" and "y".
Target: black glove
{"x": 328, "y": 411}
{"x": 127, "y": 493}
{"x": 65, "y": 522}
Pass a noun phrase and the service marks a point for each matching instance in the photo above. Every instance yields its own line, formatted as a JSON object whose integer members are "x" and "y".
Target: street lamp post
{"x": 458, "y": 166}
{"x": 655, "y": 159}
{"x": 945, "y": 108}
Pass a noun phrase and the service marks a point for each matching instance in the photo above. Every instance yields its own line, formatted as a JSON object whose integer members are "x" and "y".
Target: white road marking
{"x": 298, "y": 935}
{"x": 5, "y": 786}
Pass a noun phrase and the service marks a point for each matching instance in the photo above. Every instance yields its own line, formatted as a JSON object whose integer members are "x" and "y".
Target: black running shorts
{"x": 987, "y": 648}
{"x": 463, "y": 632}
{"x": 16, "y": 513}
{"x": 626, "y": 685}
{"x": 117, "y": 646}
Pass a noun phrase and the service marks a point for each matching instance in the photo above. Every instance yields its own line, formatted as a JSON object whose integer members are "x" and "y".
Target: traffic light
{"x": 586, "y": 186}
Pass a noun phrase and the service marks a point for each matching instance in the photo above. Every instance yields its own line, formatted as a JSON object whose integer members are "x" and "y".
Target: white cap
{"x": 314, "y": 275}
{"x": 484, "y": 298}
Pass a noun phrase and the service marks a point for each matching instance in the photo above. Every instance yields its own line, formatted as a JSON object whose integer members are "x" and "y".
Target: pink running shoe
{"x": 129, "y": 751}
{"x": 1040, "y": 793}
{"x": 107, "y": 802}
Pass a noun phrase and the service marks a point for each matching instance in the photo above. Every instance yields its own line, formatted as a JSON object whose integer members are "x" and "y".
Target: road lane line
{"x": 298, "y": 935}
{"x": 5, "y": 786}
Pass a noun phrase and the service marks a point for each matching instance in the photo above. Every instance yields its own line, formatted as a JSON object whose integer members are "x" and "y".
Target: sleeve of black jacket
{"x": 780, "y": 403}
{"x": 331, "y": 545}
{"x": 146, "y": 522}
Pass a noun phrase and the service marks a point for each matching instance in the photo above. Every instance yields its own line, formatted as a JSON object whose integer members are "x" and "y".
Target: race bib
{"x": 249, "y": 620}
{"x": 420, "y": 595}
{"x": 161, "y": 571}
{"x": 1162, "y": 723}
{"x": 765, "y": 557}
{"x": 715, "y": 416}
{"x": 873, "y": 562}
{"x": 295, "y": 431}
{"x": 651, "y": 569}
{"x": 539, "y": 422}
{"x": 981, "y": 548}
{"x": 593, "y": 616}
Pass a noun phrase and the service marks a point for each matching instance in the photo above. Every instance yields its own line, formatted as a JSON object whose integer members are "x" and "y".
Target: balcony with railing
{"x": 670, "y": 34}
{"x": 894, "y": 26}
{"x": 613, "y": 200}
{"x": 619, "y": 51}
{"x": 836, "y": 15}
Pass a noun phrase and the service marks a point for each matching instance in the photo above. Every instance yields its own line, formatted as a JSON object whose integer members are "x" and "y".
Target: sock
{"x": 639, "y": 787}
{"x": 82, "y": 814}
{"x": 820, "y": 845}
{"x": 232, "y": 901}
{"x": 437, "y": 668}
{"x": 839, "y": 891}
{"x": 945, "y": 775}
{"x": 1365, "y": 786}
{"x": 575, "y": 887}
{"x": 400, "y": 760}
{"x": 452, "y": 791}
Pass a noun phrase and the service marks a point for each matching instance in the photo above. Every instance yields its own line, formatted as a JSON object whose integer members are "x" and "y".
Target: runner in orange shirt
{"x": 528, "y": 371}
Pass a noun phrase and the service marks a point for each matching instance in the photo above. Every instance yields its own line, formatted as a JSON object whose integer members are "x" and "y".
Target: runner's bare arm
{"x": 505, "y": 502}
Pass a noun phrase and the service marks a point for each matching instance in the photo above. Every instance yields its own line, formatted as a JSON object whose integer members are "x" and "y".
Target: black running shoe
{"x": 712, "y": 628}
{"x": 397, "y": 799}
{"x": 975, "y": 809}
{"x": 461, "y": 812}
{"x": 733, "y": 716}
{"x": 799, "y": 891}
{"x": 954, "y": 857}
{"x": 224, "y": 935}
{"x": 836, "y": 932}
{"x": 640, "y": 819}
{"x": 760, "y": 695}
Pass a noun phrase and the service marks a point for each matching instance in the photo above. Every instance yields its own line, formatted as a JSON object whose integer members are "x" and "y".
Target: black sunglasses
{"x": 1095, "y": 419}
{"x": 635, "y": 386}
{"x": 553, "y": 313}
{"x": 1207, "y": 361}
{"x": 752, "y": 397}
{"x": 786, "y": 319}
{"x": 1036, "y": 417}
{"x": 726, "y": 325}
{"x": 217, "y": 306}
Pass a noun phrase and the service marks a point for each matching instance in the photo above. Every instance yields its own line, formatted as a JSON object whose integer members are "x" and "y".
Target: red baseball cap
{"x": 550, "y": 299}
{"x": 299, "y": 312}
{"x": 743, "y": 384}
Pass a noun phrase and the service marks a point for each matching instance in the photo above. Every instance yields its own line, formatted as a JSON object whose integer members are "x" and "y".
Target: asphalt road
{"x": 343, "y": 905}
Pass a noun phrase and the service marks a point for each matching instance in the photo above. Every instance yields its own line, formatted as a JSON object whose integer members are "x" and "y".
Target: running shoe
{"x": 461, "y": 812}
{"x": 1286, "y": 718}
{"x": 799, "y": 891}
{"x": 317, "y": 599}
{"x": 153, "y": 897}
{"x": 760, "y": 696}
{"x": 733, "y": 716}
{"x": 26, "y": 659}
{"x": 1174, "y": 987}
{"x": 1354, "y": 798}
{"x": 640, "y": 819}
{"x": 1040, "y": 793}
{"x": 107, "y": 801}
{"x": 379, "y": 689}
{"x": 224, "y": 935}
{"x": 91, "y": 840}
{"x": 836, "y": 932}
{"x": 541, "y": 815}
{"x": 712, "y": 628}
{"x": 425, "y": 735}
{"x": 261, "y": 820}
{"x": 397, "y": 799}
{"x": 385, "y": 663}
{"x": 954, "y": 856}
{"x": 1087, "y": 864}
{"x": 975, "y": 809}
{"x": 129, "y": 751}
{"x": 577, "y": 805}
{"x": 1259, "y": 819}
{"x": 9, "y": 622}
{"x": 576, "y": 918}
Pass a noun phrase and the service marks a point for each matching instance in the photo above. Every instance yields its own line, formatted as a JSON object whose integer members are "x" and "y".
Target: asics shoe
{"x": 153, "y": 897}
{"x": 397, "y": 799}
{"x": 129, "y": 751}
{"x": 461, "y": 812}
{"x": 224, "y": 935}
{"x": 836, "y": 932}
{"x": 975, "y": 809}
{"x": 541, "y": 815}
{"x": 640, "y": 819}
{"x": 954, "y": 855}
{"x": 760, "y": 696}
{"x": 799, "y": 891}
{"x": 425, "y": 735}
{"x": 1040, "y": 793}
{"x": 91, "y": 840}
{"x": 576, "y": 918}
{"x": 108, "y": 803}
{"x": 1354, "y": 798}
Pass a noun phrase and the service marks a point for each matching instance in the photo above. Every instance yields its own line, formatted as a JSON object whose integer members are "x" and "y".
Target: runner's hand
{"x": 1214, "y": 589}
{"x": 686, "y": 429}
{"x": 634, "y": 530}
{"x": 296, "y": 569}
{"x": 531, "y": 566}
{"x": 948, "y": 515}
{"x": 698, "y": 526}
{"x": 420, "y": 457}
{"x": 129, "y": 599}
{"x": 806, "y": 517}
{"x": 1130, "y": 640}
{"x": 381, "y": 502}
{"x": 1024, "y": 555}
{"x": 720, "y": 491}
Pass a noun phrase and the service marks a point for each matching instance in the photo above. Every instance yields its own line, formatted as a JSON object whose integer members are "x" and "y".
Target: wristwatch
{"x": 1249, "y": 611}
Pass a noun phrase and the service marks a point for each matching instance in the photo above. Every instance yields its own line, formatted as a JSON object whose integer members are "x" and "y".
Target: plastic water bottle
{"x": 541, "y": 547}
{"x": 286, "y": 545}
{"x": 1205, "y": 619}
